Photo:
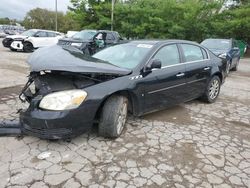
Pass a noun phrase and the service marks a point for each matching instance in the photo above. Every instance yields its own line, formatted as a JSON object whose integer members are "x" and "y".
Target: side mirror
{"x": 36, "y": 35}
{"x": 153, "y": 64}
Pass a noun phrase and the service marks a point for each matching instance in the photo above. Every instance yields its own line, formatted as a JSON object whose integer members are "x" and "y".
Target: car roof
{"x": 88, "y": 30}
{"x": 45, "y": 30}
{"x": 162, "y": 41}
{"x": 217, "y": 39}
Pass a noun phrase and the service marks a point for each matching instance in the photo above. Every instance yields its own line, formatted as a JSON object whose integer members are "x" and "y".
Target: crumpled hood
{"x": 68, "y": 58}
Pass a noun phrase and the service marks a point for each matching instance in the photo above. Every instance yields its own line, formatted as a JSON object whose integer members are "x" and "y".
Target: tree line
{"x": 138, "y": 19}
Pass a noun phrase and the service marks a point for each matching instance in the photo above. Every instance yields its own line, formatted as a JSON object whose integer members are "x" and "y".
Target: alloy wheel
{"x": 122, "y": 118}
{"x": 214, "y": 89}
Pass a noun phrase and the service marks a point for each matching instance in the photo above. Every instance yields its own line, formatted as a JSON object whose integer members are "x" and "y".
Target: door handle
{"x": 206, "y": 68}
{"x": 180, "y": 74}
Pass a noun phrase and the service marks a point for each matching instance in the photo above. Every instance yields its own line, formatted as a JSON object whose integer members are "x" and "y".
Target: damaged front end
{"x": 63, "y": 92}
{"x": 56, "y": 121}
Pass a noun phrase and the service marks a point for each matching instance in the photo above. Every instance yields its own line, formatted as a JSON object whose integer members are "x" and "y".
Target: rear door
{"x": 52, "y": 38}
{"x": 198, "y": 69}
{"x": 166, "y": 86}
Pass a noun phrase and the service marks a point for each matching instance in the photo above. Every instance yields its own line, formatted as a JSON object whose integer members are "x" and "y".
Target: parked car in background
{"x": 68, "y": 90}
{"x": 12, "y": 29}
{"x": 10, "y": 38}
{"x": 2, "y": 33}
{"x": 226, "y": 49}
{"x": 32, "y": 39}
{"x": 71, "y": 33}
{"x": 91, "y": 41}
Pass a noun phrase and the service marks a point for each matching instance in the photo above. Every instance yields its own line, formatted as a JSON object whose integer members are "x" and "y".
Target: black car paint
{"x": 147, "y": 91}
{"x": 89, "y": 46}
{"x": 7, "y": 42}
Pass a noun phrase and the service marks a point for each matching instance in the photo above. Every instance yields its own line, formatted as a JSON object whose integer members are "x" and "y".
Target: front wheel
{"x": 212, "y": 90}
{"x": 113, "y": 117}
{"x": 28, "y": 47}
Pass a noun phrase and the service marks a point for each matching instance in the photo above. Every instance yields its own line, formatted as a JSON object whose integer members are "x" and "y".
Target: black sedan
{"x": 226, "y": 49}
{"x": 69, "y": 91}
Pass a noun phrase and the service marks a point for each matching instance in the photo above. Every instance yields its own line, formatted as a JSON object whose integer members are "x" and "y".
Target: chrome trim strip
{"x": 155, "y": 91}
{"x": 193, "y": 81}
{"x": 182, "y": 64}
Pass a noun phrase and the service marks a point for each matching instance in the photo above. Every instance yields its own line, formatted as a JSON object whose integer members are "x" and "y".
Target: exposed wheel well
{"x": 29, "y": 42}
{"x": 219, "y": 75}
{"x": 122, "y": 93}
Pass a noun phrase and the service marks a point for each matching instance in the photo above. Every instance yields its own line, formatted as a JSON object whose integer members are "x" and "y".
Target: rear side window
{"x": 50, "y": 34}
{"x": 192, "y": 52}
{"x": 110, "y": 36}
{"x": 168, "y": 55}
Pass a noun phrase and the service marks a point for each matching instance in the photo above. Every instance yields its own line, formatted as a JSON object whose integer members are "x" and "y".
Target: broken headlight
{"x": 63, "y": 100}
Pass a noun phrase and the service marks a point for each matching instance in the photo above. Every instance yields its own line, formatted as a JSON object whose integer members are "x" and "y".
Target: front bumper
{"x": 7, "y": 42}
{"x": 57, "y": 124}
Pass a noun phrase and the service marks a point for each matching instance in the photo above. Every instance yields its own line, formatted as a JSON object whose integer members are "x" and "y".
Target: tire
{"x": 236, "y": 66}
{"x": 113, "y": 117}
{"x": 28, "y": 47}
{"x": 212, "y": 90}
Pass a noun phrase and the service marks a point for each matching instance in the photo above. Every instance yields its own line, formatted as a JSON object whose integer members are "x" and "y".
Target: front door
{"x": 166, "y": 86}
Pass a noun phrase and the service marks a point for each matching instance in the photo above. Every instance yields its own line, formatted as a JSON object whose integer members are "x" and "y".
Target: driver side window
{"x": 168, "y": 55}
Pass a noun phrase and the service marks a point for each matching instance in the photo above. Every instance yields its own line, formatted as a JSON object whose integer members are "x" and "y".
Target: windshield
{"x": 124, "y": 55}
{"x": 29, "y": 33}
{"x": 219, "y": 44}
{"x": 84, "y": 35}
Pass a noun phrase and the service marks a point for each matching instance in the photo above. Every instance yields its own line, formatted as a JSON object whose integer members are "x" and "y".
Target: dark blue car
{"x": 226, "y": 49}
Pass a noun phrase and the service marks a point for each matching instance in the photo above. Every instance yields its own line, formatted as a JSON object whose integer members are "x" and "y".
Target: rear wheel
{"x": 113, "y": 116}
{"x": 212, "y": 90}
{"x": 28, "y": 47}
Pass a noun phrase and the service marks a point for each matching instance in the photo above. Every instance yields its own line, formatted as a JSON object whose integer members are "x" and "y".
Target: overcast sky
{"x": 18, "y": 8}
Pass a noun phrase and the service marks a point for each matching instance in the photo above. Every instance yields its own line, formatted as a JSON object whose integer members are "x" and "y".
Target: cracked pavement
{"x": 190, "y": 145}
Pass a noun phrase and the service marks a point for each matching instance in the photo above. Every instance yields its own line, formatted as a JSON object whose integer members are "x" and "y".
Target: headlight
{"x": 63, "y": 100}
{"x": 224, "y": 55}
{"x": 76, "y": 44}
